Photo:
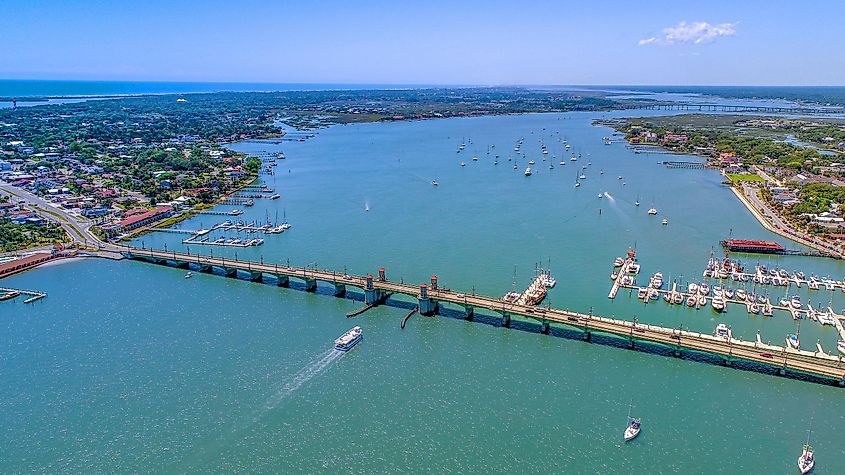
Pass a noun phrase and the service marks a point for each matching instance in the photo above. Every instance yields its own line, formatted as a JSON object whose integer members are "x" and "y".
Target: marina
{"x": 698, "y": 295}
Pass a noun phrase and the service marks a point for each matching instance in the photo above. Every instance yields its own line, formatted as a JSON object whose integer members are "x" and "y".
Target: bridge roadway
{"x": 783, "y": 358}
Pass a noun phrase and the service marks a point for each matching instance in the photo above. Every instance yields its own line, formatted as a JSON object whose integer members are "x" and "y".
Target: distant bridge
{"x": 736, "y": 108}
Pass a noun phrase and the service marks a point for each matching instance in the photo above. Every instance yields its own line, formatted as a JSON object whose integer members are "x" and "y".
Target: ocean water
{"x": 127, "y": 366}
{"x": 28, "y": 88}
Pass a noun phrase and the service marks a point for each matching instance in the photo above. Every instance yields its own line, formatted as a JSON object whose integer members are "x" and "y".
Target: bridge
{"x": 430, "y": 297}
{"x": 739, "y": 108}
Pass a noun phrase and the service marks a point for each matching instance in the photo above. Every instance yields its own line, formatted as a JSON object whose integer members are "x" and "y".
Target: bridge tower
{"x": 372, "y": 295}
{"x": 428, "y": 307}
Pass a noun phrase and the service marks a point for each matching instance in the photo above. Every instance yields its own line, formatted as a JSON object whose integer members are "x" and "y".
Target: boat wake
{"x": 609, "y": 196}
{"x": 312, "y": 369}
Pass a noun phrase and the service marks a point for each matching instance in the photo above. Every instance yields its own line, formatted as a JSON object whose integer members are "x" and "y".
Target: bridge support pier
{"x": 428, "y": 307}
{"x": 545, "y": 329}
{"x": 310, "y": 285}
{"x": 631, "y": 344}
{"x": 183, "y": 264}
{"x": 588, "y": 336}
{"x": 469, "y": 312}
{"x": 256, "y": 276}
{"x": 842, "y": 382}
{"x": 284, "y": 281}
{"x": 339, "y": 290}
{"x": 506, "y": 319}
{"x": 782, "y": 371}
{"x": 230, "y": 272}
{"x": 205, "y": 268}
{"x": 372, "y": 296}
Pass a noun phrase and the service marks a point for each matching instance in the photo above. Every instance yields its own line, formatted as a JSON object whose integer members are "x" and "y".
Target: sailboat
{"x": 807, "y": 460}
{"x": 632, "y": 428}
{"x": 434, "y": 181}
{"x": 366, "y": 206}
{"x": 637, "y": 203}
{"x": 793, "y": 340}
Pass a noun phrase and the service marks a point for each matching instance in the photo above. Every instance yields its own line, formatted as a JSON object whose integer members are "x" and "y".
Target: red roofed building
{"x": 137, "y": 220}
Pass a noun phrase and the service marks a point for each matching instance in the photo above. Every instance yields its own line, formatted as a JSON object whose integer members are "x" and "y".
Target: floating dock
{"x": 11, "y": 294}
{"x": 224, "y": 242}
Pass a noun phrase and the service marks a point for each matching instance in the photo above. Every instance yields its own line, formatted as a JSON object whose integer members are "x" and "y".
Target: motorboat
{"x": 189, "y": 274}
{"x": 349, "y": 339}
{"x": 657, "y": 280}
{"x": 652, "y": 211}
{"x": 528, "y": 171}
{"x": 722, "y": 331}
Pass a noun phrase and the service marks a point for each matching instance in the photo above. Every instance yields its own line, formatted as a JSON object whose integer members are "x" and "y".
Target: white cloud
{"x": 698, "y": 32}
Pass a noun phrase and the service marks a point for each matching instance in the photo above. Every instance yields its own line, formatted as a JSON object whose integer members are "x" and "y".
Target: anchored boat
{"x": 633, "y": 428}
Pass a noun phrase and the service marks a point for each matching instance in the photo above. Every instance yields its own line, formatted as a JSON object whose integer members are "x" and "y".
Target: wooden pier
{"x": 690, "y": 165}
{"x": 782, "y": 359}
{"x": 234, "y": 212}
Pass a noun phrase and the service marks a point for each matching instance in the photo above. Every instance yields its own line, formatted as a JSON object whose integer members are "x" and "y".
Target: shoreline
{"x": 774, "y": 229}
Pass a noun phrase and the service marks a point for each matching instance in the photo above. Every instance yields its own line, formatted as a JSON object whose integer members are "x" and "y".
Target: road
{"x": 77, "y": 227}
{"x": 771, "y": 220}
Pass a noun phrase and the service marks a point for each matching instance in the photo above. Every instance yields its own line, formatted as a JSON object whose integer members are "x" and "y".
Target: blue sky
{"x": 432, "y": 42}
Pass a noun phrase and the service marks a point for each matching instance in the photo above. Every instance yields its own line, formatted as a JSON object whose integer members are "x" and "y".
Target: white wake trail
{"x": 312, "y": 369}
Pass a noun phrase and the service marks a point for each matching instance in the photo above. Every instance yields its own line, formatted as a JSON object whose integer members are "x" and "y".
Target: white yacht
{"x": 652, "y": 211}
{"x": 189, "y": 274}
{"x": 793, "y": 341}
{"x": 349, "y": 339}
{"x": 463, "y": 164}
{"x": 531, "y": 162}
{"x": 722, "y": 331}
{"x": 657, "y": 280}
{"x": 528, "y": 171}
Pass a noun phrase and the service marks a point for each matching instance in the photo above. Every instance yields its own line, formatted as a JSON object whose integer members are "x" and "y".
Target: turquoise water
{"x": 130, "y": 367}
